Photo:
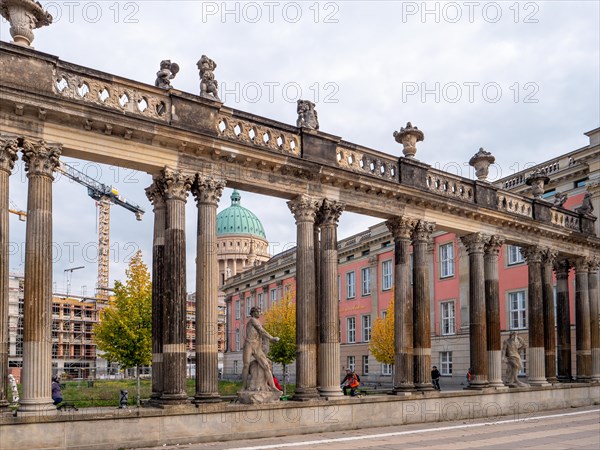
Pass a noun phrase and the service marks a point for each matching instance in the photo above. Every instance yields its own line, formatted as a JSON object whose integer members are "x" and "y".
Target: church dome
{"x": 238, "y": 220}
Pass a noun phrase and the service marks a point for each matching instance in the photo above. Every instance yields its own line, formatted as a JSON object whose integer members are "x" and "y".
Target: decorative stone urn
{"x": 481, "y": 162}
{"x": 24, "y": 17}
{"x": 537, "y": 180}
{"x": 409, "y": 137}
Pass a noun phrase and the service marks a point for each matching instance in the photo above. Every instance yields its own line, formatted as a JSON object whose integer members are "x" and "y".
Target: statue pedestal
{"x": 258, "y": 397}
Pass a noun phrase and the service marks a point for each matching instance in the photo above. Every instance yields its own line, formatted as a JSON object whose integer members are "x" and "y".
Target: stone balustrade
{"x": 515, "y": 204}
{"x": 367, "y": 162}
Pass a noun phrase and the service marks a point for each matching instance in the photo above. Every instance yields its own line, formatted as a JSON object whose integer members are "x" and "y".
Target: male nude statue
{"x": 511, "y": 354}
{"x": 253, "y": 347}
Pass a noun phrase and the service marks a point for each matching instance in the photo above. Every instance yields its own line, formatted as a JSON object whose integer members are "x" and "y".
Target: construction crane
{"x": 15, "y": 210}
{"x": 105, "y": 196}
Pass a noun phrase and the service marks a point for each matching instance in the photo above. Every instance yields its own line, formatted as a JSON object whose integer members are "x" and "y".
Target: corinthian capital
{"x": 40, "y": 157}
{"x": 304, "y": 208}
{"x": 400, "y": 227}
{"x": 594, "y": 264}
{"x": 176, "y": 184}
{"x": 156, "y": 192}
{"x": 207, "y": 190}
{"x": 330, "y": 212}
{"x": 422, "y": 231}
{"x": 493, "y": 245}
{"x": 581, "y": 264}
{"x": 9, "y": 148}
{"x": 549, "y": 256}
{"x": 474, "y": 242}
{"x": 531, "y": 253}
{"x": 562, "y": 267}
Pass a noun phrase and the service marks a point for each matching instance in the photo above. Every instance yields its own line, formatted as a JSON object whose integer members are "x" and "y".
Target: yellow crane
{"x": 15, "y": 210}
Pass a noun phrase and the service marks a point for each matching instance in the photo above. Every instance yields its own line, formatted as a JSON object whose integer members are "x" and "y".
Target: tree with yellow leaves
{"x": 382, "y": 337}
{"x": 280, "y": 321}
{"x": 124, "y": 332}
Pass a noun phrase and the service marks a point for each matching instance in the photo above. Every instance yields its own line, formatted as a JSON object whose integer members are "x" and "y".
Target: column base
{"x": 538, "y": 382}
{"x": 552, "y": 380}
{"x": 330, "y": 392}
{"x": 496, "y": 384}
{"x": 306, "y": 394}
{"x": 37, "y": 408}
{"x": 477, "y": 385}
{"x": 173, "y": 399}
{"x": 423, "y": 387}
{"x": 206, "y": 398}
{"x": 562, "y": 379}
{"x": 403, "y": 388}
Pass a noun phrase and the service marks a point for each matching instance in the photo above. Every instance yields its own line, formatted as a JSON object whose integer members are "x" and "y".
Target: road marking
{"x": 402, "y": 433}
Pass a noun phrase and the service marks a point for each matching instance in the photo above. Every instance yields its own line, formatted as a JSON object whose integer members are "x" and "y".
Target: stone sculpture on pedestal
{"x": 208, "y": 84}
{"x": 167, "y": 72}
{"x": 307, "y": 115}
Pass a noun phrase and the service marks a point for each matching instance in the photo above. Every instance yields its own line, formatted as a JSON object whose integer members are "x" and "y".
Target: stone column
{"x": 8, "y": 155}
{"x": 403, "y": 305}
{"x": 156, "y": 195}
{"x": 421, "y": 235}
{"x": 583, "y": 346}
{"x": 474, "y": 243}
{"x": 594, "y": 265}
{"x": 535, "y": 317}
{"x": 207, "y": 192}
{"x": 41, "y": 160}
{"x": 492, "y": 311}
{"x": 176, "y": 187}
{"x": 304, "y": 209}
{"x": 548, "y": 257}
{"x": 563, "y": 321}
{"x": 329, "y": 341}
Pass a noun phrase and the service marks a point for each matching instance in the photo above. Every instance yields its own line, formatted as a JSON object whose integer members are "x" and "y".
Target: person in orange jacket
{"x": 351, "y": 381}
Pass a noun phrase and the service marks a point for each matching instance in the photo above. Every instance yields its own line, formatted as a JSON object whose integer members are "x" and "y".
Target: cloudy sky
{"x": 520, "y": 79}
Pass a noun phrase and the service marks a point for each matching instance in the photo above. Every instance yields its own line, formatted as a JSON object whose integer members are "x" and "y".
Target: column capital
{"x": 9, "y": 148}
{"x": 562, "y": 267}
{"x": 400, "y": 227}
{"x": 304, "y": 208}
{"x": 581, "y": 264}
{"x": 474, "y": 242}
{"x": 422, "y": 231}
{"x": 175, "y": 184}
{"x": 493, "y": 245}
{"x": 40, "y": 157}
{"x": 330, "y": 212}
{"x": 156, "y": 192}
{"x": 531, "y": 253}
{"x": 594, "y": 264}
{"x": 207, "y": 190}
{"x": 549, "y": 256}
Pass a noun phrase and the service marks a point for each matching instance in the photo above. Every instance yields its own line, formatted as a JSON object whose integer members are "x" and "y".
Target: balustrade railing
{"x": 450, "y": 185}
{"x": 515, "y": 204}
{"x": 366, "y": 161}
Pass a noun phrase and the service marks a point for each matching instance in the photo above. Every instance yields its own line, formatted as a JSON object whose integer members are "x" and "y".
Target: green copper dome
{"x": 238, "y": 220}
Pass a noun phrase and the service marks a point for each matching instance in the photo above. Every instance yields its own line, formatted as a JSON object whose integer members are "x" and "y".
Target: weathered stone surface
{"x": 492, "y": 310}
{"x": 548, "y": 258}
{"x": 563, "y": 321}
{"x": 583, "y": 345}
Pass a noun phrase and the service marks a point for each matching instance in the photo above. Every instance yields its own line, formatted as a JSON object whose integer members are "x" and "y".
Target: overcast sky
{"x": 520, "y": 79}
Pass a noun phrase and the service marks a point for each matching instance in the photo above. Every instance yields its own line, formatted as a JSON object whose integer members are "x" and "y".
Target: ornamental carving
{"x": 330, "y": 212}
{"x": 581, "y": 264}
{"x": 422, "y": 231}
{"x": 307, "y": 115}
{"x": 474, "y": 242}
{"x": 156, "y": 192}
{"x": 304, "y": 208}
{"x": 207, "y": 190}
{"x": 166, "y": 73}
{"x": 594, "y": 264}
{"x": 400, "y": 227}
{"x": 209, "y": 87}
{"x": 562, "y": 267}
{"x": 176, "y": 185}
{"x": 9, "y": 149}
{"x": 493, "y": 245}
{"x": 549, "y": 256}
{"x": 40, "y": 157}
{"x": 409, "y": 137}
{"x": 24, "y": 17}
{"x": 531, "y": 253}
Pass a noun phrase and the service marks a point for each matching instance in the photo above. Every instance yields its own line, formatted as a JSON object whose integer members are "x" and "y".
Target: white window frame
{"x": 273, "y": 295}
{"x": 446, "y": 253}
{"x": 366, "y": 325}
{"x": 448, "y": 317}
{"x": 386, "y": 369}
{"x": 259, "y": 302}
{"x": 351, "y": 363}
{"x": 350, "y": 330}
{"x": 236, "y": 367}
{"x": 238, "y": 344}
{"x": 238, "y": 309}
{"x": 248, "y": 305}
{"x": 446, "y": 363}
{"x": 365, "y": 364}
{"x": 387, "y": 275}
{"x": 350, "y": 285}
{"x": 365, "y": 281}
{"x": 517, "y": 316}
{"x": 514, "y": 256}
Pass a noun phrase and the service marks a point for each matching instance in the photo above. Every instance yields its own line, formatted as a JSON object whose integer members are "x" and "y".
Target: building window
{"x": 448, "y": 318}
{"x": 366, "y": 328}
{"x": 248, "y": 306}
{"x": 384, "y": 314}
{"x": 580, "y": 183}
{"x": 259, "y": 298}
{"x": 287, "y": 290}
{"x": 386, "y": 369}
{"x": 365, "y": 364}
{"x": 339, "y": 288}
{"x": 514, "y": 255}
{"x": 350, "y": 285}
{"x": 238, "y": 309}
{"x": 365, "y": 281}
{"x": 351, "y": 363}
{"x": 387, "y": 275}
{"x": 549, "y": 193}
{"x": 523, "y": 370}
{"x": 235, "y": 367}
{"x": 273, "y": 294}
{"x": 446, "y": 363}
{"x": 447, "y": 260}
{"x": 518, "y": 310}
{"x": 237, "y": 340}
{"x": 351, "y": 330}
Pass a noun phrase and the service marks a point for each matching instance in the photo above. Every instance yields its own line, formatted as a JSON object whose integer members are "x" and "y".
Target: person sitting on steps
{"x": 351, "y": 381}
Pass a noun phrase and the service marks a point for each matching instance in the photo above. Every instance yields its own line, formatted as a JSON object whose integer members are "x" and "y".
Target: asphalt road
{"x": 574, "y": 428}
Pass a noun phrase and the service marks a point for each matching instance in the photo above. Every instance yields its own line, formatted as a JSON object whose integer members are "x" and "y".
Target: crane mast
{"x": 105, "y": 196}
